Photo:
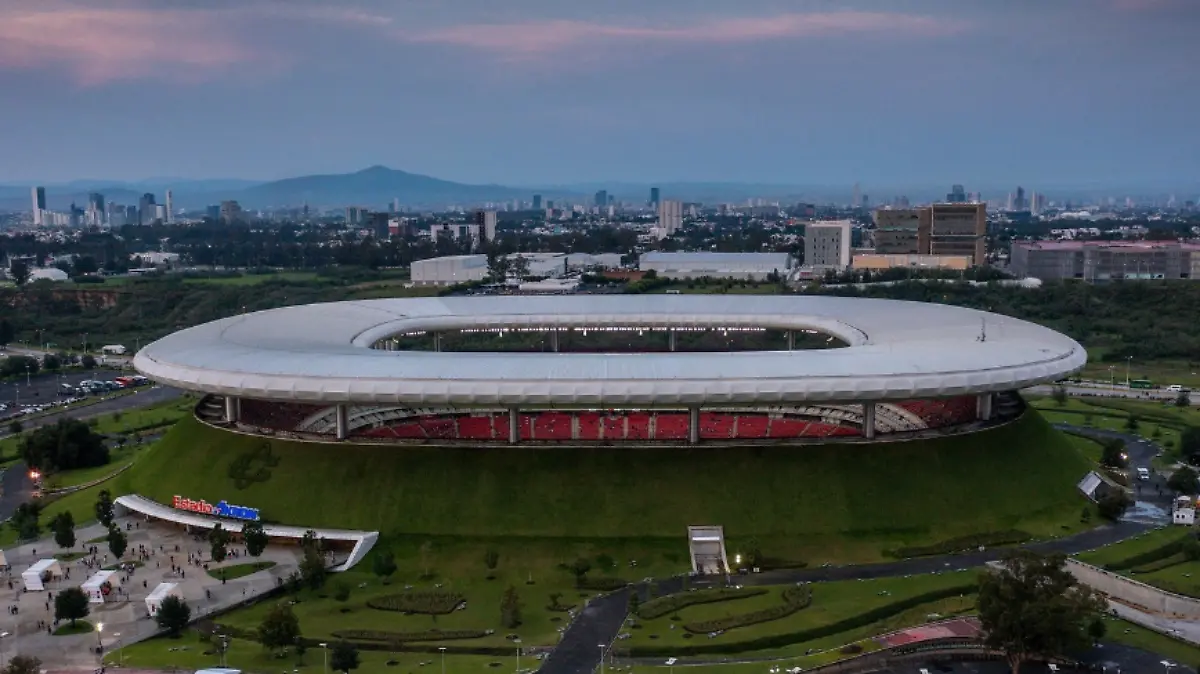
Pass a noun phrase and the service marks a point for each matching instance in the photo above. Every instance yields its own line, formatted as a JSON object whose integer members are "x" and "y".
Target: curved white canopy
{"x": 898, "y": 350}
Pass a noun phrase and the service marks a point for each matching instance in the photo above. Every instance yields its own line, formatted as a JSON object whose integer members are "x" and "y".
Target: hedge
{"x": 656, "y": 608}
{"x": 1160, "y": 564}
{"x": 794, "y": 599}
{"x": 424, "y": 635}
{"x": 1144, "y": 558}
{"x": 946, "y": 547}
{"x": 787, "y": 639}
{"x": 601, "y": 584}
{"x": 421, "y": 601}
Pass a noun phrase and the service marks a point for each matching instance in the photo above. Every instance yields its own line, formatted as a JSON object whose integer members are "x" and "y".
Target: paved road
{"x": 1105, "y": 391}
{"x": 597, "y": 624}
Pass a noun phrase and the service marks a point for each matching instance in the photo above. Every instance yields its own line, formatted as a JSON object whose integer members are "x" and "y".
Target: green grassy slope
{"x": 1021, "y": 475}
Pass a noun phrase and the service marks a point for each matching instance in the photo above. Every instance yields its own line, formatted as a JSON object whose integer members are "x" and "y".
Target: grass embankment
{"x": 1154, "y": 558}
{"x": 1160, "y": 421}
{"x": 817, "y": 502}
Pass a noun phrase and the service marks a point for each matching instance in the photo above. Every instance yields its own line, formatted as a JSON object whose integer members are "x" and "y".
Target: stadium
{"x": 611, "y": 370}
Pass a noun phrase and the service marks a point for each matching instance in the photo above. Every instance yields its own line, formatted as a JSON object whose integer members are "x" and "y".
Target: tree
{"x": 1183, "y": 399}
{"x": 1184, "y": 481}
{"x": 1189, "y": 444}
{"x": 1131, "y": 424}
{"x": 18, "y": 271}
{"x": 7, "y": 332}
{"x": 218, "y": 538}
{"x": 1113, "y": 504}
{"x": 25, "y": 521}
{"x": 343, "y": 657}
{"x": 51, "y": 363}
{"x": 70, "y": 604}
{"x": 63, "y": 526}
{"x": 15, "y": 427}
{"x": 23, "y": 664}
{"x": 497, "y": 265}
{"x": 279, "y": 629}
{"x": 312, "y": 567}
{"x": 84, "y": 264}
{"x": 255, "y": 538}
{"x": 490, "y": 559}
{"x": 1113, "y": 454}
{"x": 384, "y": 564}
{"x": 1059, "y": 394}
{"x": 64, "y": 445}
{"x": 518, "y": 266}
{"x": 88, "y": 361}
{"x": 301, "y": 648}
{"x": 341, "y": 591}
{"x": 579, "y": 568}
{"x": 117, "y": 542}
{"x": 1097, "y": 629}
{"x": 104, "y": 508}
{"x": 510, "y": 608}
{"x": 635, "y": 602}
{"x": 1033, "y": 607}
{"x": 173, "y": 615}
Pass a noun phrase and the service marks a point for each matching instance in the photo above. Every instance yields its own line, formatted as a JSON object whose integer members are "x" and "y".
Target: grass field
{"x": 830, "y": 502}
{"x": 1162, "y": 373}
{"x": 255, "y": 279}
{"x": 1144, "y": 542}
{"x": 1161, "y": 422}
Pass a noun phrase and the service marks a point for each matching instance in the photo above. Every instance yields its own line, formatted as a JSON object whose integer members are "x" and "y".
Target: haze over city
{"x": 522, "y": 93}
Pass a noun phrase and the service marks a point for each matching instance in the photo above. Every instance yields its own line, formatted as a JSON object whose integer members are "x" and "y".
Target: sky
{"x": 549, "y": 92}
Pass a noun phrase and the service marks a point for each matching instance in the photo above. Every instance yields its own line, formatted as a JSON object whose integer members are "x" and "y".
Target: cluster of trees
{"x": 65, "y": 445}
{"x": 280, "y": 630}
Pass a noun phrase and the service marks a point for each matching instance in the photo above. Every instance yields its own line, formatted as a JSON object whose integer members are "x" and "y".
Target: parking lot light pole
{"x": 443, "y": 650}
{"x": 325, "y": 661}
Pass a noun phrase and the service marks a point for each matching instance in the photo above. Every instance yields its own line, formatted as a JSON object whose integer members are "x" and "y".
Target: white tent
{"x": 95, "y": 587}
{"x": 160, "y": 593}
{"x": 33, "y": 575}
{"x": 3, "y": 560}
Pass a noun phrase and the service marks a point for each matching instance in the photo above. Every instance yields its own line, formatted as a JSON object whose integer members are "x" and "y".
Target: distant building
{"x": 601, "y": 199}
{"x": 452, "y": 269}
{"x": 1100, "y": 261}
{"x": 940, "y": 229}
{"x": 38, "y": 195}
{"x": 146, "y": 210}
{"x": 213, "y": 213}
{"x": 670, "y": 216}
{"x": 899, "y": 231}
{"x": 230, "y": 212}
{"x": 827, "y": 244}
{"x": 754, "y": 266}
{"x": 486, "y": 222}
{"x": 170, "y": 219}
{"x": 378, "y": 223}
{"x": 355, "y": 215}
{"x": 880, "y": 262}
{"x": 654, "y": 197}
{"x": 537, "y": 202}
{"x": 958, "y": 195}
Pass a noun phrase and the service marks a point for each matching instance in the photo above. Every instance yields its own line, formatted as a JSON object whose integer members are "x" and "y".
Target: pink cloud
{"x": 97, "y": 46}
{"x": 542, "y": 37}
{"x": 1144, "y": 5}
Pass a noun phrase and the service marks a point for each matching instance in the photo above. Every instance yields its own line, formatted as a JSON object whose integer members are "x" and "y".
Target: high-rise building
{"x": 958, "y": 195}
{"x": 827, "y": 244}
{"x": 856, "y": 197}
{"x": 486, "y": 221}
{"x": 170, "y": 215}
{"x": 38, "y": 195}
{"x": 901, "y": 231}
{"x": 654, "y": 197}
{"x": 146, "y": 209}
{"x": 537, "y": 202}
{"x": 230, "y": 212}
{"x": 958, "y": 229}
{"x": 1019, "y": 203}
{"x": 213, "y": 213}
{"x": 601, "y": 198}
{"x": 670, "y": 216}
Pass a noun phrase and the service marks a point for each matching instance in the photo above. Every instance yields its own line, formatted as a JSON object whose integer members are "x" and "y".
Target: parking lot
{"x": 43, "y": 389}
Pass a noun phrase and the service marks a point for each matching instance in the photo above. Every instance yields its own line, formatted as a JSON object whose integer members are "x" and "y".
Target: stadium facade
{"x": 342, "y": 371}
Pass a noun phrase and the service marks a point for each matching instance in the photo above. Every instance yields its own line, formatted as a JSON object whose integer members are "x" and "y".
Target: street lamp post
{"x": 120, "y": 651}
{"x": 100, "y": 642}
{"x": 2, "y": 653}
{"x": 443, "y": 650}
{"x": 601, "y": 658}
{"x": 325, "y": 660}
{"x": 1128, "y": 362}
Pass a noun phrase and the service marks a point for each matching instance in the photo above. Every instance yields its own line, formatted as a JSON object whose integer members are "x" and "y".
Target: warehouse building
{"x": 754, "y": 266}
{"x": 452, "y": 269}
{"x": 1106, "y": 260}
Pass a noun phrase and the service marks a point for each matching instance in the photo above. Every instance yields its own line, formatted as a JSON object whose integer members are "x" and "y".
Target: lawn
{"x": 255, "y": 279}
{"x": 1123, "y": 632}
{"x": 827, "y": 502}
{"x": 78, "y": 627}
{"x": 239, "y": 570}
{"x": 1161, "y": 422}
{"x": 188, "y": 653}
{"x": 831, "y": 602}
{"x": 119, "y": 457}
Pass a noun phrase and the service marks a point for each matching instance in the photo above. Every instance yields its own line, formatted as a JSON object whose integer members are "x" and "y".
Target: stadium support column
{"x": 693, "y": 425}
{"x": 984, "y": 407}
{"x": 437, "y": 342}
{"x": 233, "y": 409}
{"x": 869, "y": 420}
{"x": 343, "y": 421}
{"x": 514, "y": 427}
{"x": 791, "y": 340}
{"x": 671, "y": 339}
{"x": 554, "y": 341}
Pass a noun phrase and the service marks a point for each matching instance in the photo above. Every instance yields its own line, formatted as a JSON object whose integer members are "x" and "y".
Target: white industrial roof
{"x": 709, "y": 257}
{"x": 898, "y": 350}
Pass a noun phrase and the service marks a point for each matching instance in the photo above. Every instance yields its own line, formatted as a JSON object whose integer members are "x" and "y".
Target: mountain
{"x": 372, "y": 187}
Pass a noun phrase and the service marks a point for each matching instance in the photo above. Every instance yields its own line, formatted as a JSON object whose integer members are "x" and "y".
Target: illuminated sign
{"x": 221, "y": 509}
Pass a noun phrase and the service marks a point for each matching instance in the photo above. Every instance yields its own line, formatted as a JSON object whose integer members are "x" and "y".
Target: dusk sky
{"x": 523, "y": 92}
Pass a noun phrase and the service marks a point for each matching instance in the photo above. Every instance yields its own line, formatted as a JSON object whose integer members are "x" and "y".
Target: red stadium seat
{"x": 638, "y": 426}
{"x": 613, "y": 426}
{"x": 552, "y": 426}
{"x": 716, "y": 426}
{"x": 752, "y": 426}
{"x": 476, "y": 428}
{"x": 589, "y": 426}
{"x": 670, "y": 426}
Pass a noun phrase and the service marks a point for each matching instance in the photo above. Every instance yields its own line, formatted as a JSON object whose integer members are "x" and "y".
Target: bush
{"x": 601, "y": 584}
{"x": 1160, "y": 564}
{"x": 424, "y": 635}
{"x": 988, "y": 539}
{"x": 1144, "y": 558}
{"x": 818, "y": 632}
{"x": 430, "y": 602}
{"x": 794, "y": 599}
{"x": 656, "y": 608}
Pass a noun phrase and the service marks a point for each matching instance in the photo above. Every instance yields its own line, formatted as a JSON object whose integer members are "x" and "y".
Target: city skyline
{"x": 533, "y": 93}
